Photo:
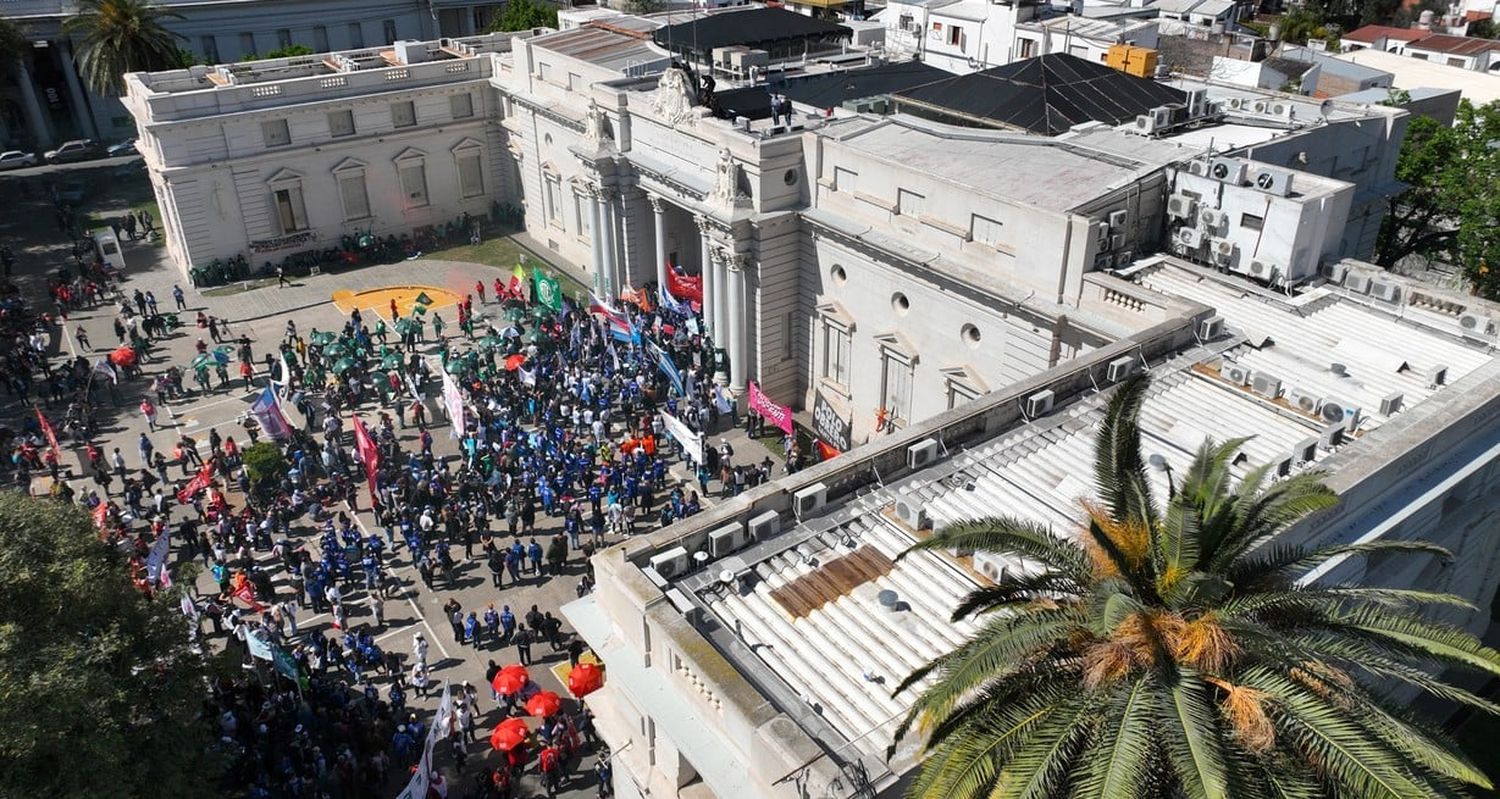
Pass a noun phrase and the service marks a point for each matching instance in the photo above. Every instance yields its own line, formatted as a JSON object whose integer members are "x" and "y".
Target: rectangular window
{"x": 390, "y": 30}
{"x": 290, "y": 211}
{"x": 544, "y": 71}
{"x": 320, "y": 38}
{"x": 1252, "y": 222}
{"x": 462, "y": 105}
{"x": 845, "y": 179}
{"x": 247, "y": 44}
{"x": 275, "y": 133}
{"x": 414, "y": 185}
{"x": 910, "y": 203}
{"x": 553, "y": 200}
{"x": 575, "y": 82}
{"x": 985, "y": 230}
{"x": 582, "y": 207}
{"x": 895, "y": 394}
{"x": 470, "y": 175}
{"x": 283, "y": 37}
{"x": 210, "y": 50}
{"x": 956, "y": 36}
{"x": 835, "y": 353}
{"x": 341, "y": 123}
{"x": 355, "y": 196}
{"x": 356, "y": 36}
{"x": 403, "y": 115}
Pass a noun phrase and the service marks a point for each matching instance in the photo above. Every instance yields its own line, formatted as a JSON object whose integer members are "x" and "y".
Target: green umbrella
{"x": 335, "y": 350}
{"x": 404, "y": 325}
{"x": 343, "y": 365}
{"x": 456, "y": 366}
{"x": 515, "y": 313}
{"x": 391, "y": 362}
{"x": 202, "y": 361}
{"x": 491, "y": 342}
{"x": 541, "y": 312}
{"x": 321, "y": 338}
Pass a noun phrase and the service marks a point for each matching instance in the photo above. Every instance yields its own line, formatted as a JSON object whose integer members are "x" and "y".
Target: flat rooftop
{"x": 619, "y": 43}
{"x": 1410, "y": 73}
{"x": 823, "y": 620}
{"x": 1057, "y": 174}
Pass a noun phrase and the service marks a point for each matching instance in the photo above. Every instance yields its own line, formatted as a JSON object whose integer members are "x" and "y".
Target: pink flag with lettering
{"x": 778, "y": 415}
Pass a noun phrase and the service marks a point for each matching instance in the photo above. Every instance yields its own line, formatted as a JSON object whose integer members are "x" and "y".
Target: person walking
{"x": 178, "y": 297}
{"x": 148, "y": 410}
{"x": 281, "y": 281}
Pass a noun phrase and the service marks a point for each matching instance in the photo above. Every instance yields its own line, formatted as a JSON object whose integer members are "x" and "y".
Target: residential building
{"x": 753, "y": 648}
{"x": 1384, "y": 38}
{"x": 1479, "y": 55}
{"x": 1198, "y": 17}
{"x": 46, "y": 103}
{"x": 963, "y": 36}
{"x": 1413, "y": 73}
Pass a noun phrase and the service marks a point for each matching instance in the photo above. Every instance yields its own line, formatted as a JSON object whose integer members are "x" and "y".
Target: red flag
{"x": 203, "y": 479}
{"x": 369, "y": 454}
{"x": 684, "y": 286}
{"x": 49, "y": 433}
{"x": 101, "y": 515}
{"x": 825, "y": 451}
{"x": 245, "y": 592}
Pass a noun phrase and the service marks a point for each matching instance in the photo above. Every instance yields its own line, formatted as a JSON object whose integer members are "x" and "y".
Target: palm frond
{"x": 1015, "y": 589}
{"x": 1281, "y": 561}
{"x": 1009, "y": 535}
{"x": 1442, "y": 642}
{"x": 1119, "y": 470}
{"x": 1194, "y": 744}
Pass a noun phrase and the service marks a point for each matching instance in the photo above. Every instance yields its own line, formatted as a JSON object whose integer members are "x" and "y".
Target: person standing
{"x": 523, "y": 646}
{"x": 148, "y": 410}
{"x": 177, "y": 297}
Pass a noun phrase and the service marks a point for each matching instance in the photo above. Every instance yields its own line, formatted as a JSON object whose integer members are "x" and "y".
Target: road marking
{"x": 406, "y": 594}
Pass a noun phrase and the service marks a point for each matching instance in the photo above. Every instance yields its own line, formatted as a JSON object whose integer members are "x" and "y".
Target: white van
{"x": 107, "y": 247}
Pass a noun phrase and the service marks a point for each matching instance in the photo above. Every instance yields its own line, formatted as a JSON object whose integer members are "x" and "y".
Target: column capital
{"x": 608, "y": 193}
{"x": 736, "y": 261}
{"x": 658, "y": 205}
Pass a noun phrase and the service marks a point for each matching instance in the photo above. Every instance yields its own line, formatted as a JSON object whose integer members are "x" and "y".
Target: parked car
{"x": 76, "y": 150}
{"x": 71, "y": 192}
{"x": 126, "y": 147}
{"x": 15, "y": 159}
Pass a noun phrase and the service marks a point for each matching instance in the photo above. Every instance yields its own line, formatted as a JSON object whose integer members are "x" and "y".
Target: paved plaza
{"x": 261, "y": 314}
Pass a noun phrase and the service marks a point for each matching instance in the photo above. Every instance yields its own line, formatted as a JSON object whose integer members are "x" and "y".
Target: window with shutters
{"x": 910, "y": 203}
{"x": 320, "y": 38}
{"x": 895, "y": 393}
{"x": 291, "y": 213}
{"x": 355, "y": 196}
{"x": 984, "y": 230}
{"x": 470, "y": 174}
{"x": 554, "y": 199}
{"x": 390, "y": 30}
{"x": 210, "y": 49}
{"x": 403, "y": 114}
{"x": 283, "y": 38}
{"x": 356, "y": 36}
{"x": 411, "y": 171}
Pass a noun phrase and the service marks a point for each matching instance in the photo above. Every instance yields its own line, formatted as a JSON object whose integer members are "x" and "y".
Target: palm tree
{"x": 120, "y": 36}
{"x": 1168, "y": 650}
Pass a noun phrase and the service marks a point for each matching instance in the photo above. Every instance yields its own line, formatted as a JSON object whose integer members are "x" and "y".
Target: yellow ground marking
{"x": 379, "y": 300}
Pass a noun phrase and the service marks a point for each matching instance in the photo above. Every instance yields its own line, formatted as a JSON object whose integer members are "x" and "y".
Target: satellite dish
{"x": 1325, "y": 108}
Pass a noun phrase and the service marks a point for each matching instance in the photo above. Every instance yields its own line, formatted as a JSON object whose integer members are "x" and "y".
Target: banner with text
{"x": 692, "y": 443}
{"x": 778, "y": 415}
{"x": 831, "y": 424}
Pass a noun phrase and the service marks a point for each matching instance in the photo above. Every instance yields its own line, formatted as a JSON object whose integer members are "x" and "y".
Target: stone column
{"x": 80, "y": 104}
{"x": 40, "y": 130}
{"x": 659, "y": 213}
{"x": 739, "y": 312}
{"x": 705, "y": 271}
{"x": 596, "y": 238}
{"x": 721, "y": 299}
{"x": 607, "y": 241}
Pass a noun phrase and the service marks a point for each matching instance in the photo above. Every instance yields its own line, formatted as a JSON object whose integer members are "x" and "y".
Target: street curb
{"x": 281, "y": 312}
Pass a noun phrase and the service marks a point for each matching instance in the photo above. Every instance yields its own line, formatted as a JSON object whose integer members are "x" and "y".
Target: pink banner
{"x": 778, "y": 415}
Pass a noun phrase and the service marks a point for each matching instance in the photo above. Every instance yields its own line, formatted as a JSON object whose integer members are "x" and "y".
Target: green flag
{"x": 548, "y": 292}
{"x": 423, "y": 299}
{"x": 420, "y": 310}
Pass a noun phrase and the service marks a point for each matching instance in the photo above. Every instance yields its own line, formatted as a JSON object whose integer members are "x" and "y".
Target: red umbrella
{"x": 511, "y": 679}
{"x": 124, "y": 356}
{"x": 509, "y": 734}
{"x": 584, "y": 679}
{"x": 513, "y": 362}
{"x": 544, "y": 703}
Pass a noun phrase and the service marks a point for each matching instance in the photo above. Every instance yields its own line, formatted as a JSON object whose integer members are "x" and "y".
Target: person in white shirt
{"x": 419, "y": 649}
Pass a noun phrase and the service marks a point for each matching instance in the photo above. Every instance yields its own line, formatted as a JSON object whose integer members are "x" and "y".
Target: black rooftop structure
{"x": 1047, "y": 95}
{"x": 829, "y": 90}
{"x": 783, "y": 33}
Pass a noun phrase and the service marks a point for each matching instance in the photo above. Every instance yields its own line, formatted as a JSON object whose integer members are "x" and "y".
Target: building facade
{"x": 45, "y": 103}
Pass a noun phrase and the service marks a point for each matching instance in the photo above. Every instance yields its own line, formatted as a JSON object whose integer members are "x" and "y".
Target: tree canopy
{"x": 1167, "y": 650}
{"x": 13, "y": 43}
{"x": 1449, "y": 211}
{"x": 120, "y": 36}
{"x": 521, "y": 15}
{"x": 99, "y": 690}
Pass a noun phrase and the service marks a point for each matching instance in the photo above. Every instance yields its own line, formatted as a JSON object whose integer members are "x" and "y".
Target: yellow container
{"x": 1132, "y": 60}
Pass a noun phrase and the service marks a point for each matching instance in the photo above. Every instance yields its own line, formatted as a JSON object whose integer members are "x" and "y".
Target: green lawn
{"x": 504, "y": 252}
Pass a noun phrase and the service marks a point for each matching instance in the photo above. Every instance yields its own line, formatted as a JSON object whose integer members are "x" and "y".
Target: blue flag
{"x": 673, "y": 304}
{"x": 668, "y": 366}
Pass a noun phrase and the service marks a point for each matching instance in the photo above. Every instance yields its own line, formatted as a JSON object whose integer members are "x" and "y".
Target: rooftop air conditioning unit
{"x": 726, "y": 539}
{"x": 670, "y": 563}
{"x": 1304, "y": 401}
{"x": 1236, "y": 103}
{"x": 809, "y": 501}
{"x": 1476, "y": 325}
{"x": 1117, "y": 241}
{"x": 1196, "y": 103}
{"x": 1283, "y": 467}
{"x": 1391, "y": 404}
{"x": 922, "y": 454}
{"x": 1223, "y": 250}
{"x": 1235, "y": 373}
{"x": 1357, "y": 283}
{"x": 1261, "y": 106}
{"x": 1333, "y": 435}
{"x": 1335, "y": 272}
{"x": 1211, "y": 328}
{"x": 1263, "y": 270}
{"x": 1335, "y": 411}
{"x": 764, "y": 526}
{"x": 1283, "y": 110}
{"x": 1266, "y": 385}
{"x": 1439, "y": 376}
{"x": 1181, "y": 206}
{"x": 1145, "y": 123}
{"x": 1189, "y": 238}
{"x": 1386, "y": 292}
{"x": 1198, "y": 168}
{"x": 1040, "y": 403}
{"x": 912, "y": 514}
{"x": 1229, "y": 170}
{"x": 1162, "y": 116}
{"x": 1213, "y": 221}
{"x": 1120, "y": 368}
{"x": 1305, "y": 450}
{"x": 1117, "y": 219}
{"x": 1273, "y": 181}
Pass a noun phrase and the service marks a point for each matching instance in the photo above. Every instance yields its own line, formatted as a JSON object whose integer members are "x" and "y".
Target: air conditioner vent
{"x": 1040, "y": 403}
